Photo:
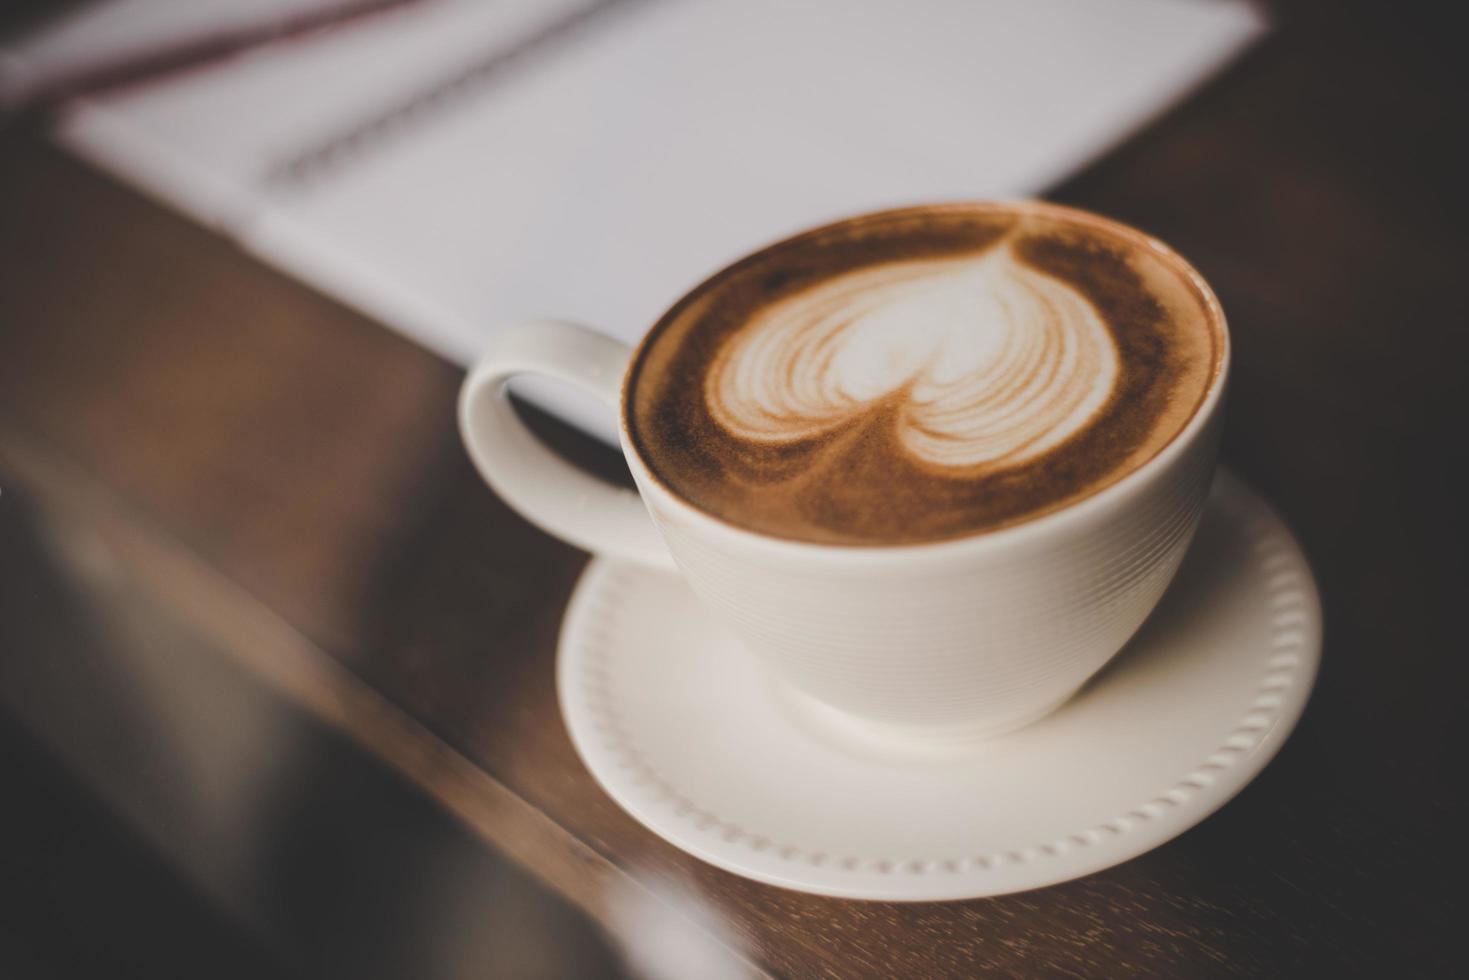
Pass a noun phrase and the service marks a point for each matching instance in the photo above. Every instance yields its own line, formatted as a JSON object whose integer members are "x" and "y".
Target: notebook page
{"x": 604, "y": 177}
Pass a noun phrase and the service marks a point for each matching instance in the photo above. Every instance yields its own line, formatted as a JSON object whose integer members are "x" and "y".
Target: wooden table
{"x": 282, "y": 477}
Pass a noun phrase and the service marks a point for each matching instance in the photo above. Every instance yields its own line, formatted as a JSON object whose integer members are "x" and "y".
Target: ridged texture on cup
{"x": 976, "y": 636}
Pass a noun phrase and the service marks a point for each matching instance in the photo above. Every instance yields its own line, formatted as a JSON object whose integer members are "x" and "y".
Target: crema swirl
{"x": 924, "y": 374}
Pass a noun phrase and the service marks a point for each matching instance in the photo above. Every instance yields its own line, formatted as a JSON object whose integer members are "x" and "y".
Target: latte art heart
{"x": 925, "y": 374}
{"x": 984, "y": 361}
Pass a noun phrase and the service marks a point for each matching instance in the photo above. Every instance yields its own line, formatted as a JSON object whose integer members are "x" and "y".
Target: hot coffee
{"x": 924, "y": 374}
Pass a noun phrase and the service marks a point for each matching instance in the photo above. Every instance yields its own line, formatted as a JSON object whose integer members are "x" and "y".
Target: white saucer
{"x": 692, "y": 737}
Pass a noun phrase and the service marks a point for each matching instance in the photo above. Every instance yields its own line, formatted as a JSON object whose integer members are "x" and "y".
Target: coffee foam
{"x": 925, "y": 374}
{"x": 984, "y": 361}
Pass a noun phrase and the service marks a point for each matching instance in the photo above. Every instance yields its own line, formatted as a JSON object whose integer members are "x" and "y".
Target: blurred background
{"x": 276, "y": 688}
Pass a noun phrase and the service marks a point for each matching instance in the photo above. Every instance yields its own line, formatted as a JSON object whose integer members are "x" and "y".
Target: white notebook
{"x": 451, "y": 166}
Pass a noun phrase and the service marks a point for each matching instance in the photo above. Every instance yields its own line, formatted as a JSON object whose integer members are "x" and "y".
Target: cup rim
{"x": 1025, "y": 531}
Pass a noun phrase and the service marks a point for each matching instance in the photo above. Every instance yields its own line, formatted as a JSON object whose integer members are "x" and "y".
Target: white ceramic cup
{"x": 955, "y": 639}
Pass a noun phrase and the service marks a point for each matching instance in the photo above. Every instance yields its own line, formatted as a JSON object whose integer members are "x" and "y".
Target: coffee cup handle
{"x": 543, "y": 487}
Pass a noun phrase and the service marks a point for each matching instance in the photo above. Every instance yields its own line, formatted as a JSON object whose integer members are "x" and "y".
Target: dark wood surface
{"x": 173, "y": 808}
{"x": 284, "y": 476}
